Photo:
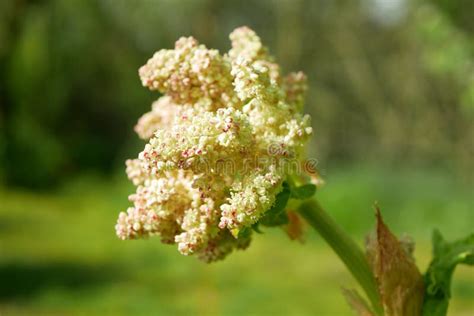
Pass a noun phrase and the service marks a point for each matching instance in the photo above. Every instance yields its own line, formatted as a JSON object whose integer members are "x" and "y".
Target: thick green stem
{"x": 349, "y": 252}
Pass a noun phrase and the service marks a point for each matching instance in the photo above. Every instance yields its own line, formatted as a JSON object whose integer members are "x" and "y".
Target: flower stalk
{"x": 348, "y": 251}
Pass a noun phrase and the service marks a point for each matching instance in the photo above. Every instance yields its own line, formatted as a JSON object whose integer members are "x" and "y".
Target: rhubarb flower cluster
{"x": 216, "y": 145}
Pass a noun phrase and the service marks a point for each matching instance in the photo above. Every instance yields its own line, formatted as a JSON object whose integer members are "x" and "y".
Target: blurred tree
{"x": 68, "y": 87}
{"x": 460, "y": 12}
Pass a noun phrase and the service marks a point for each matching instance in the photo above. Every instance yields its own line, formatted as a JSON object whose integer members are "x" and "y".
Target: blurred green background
{"x": 392, "y": 100}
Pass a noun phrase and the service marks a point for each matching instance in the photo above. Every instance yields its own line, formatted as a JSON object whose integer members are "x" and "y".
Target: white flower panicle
{"x": 161, "y": 115}
{"x": 295, "y": 85}
{"x": 190, "y": 73}
{"x": 208, "y": 171}
{"x": 198, "y": 139}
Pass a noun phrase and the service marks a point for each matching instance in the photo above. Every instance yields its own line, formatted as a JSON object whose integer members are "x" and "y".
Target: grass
{"x": 59, "y": 254}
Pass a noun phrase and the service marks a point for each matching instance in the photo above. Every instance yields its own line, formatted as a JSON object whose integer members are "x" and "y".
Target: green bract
{"x": 446, "y": 256}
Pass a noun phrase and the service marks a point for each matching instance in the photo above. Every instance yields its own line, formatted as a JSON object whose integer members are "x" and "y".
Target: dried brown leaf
{"x": 294, "y": 228}
{"x": 357, "y": 302}
{"x": 399, "y": 281}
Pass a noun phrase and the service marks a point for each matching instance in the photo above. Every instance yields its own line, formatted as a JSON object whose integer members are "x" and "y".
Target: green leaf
{"x": 446, "y": 256}
{"x": 276, "y": 215}
{"x": 245, "y": 232}
{"x": 256, "y": 228}
{"x": 303, "y": 192}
